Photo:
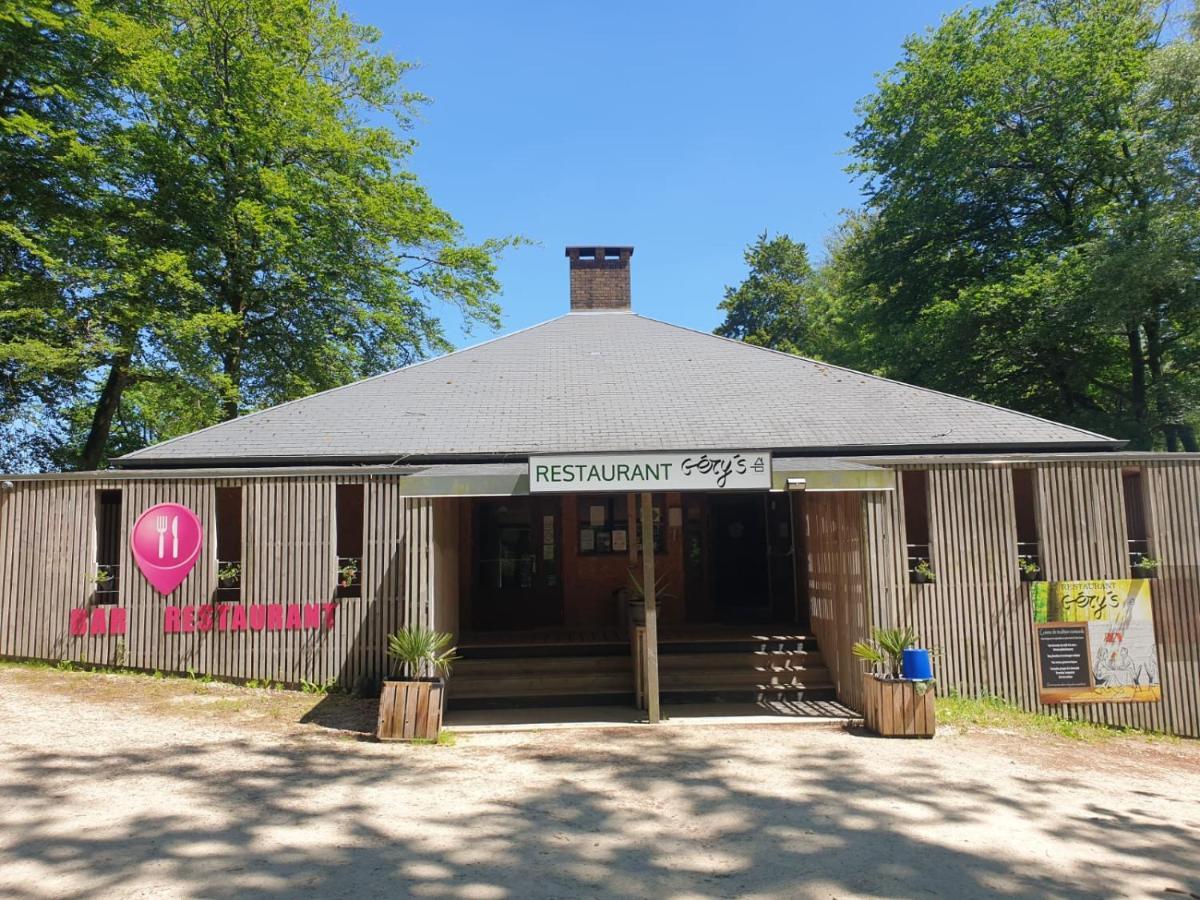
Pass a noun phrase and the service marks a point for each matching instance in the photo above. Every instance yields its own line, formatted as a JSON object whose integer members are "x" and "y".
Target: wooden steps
{"x": 721, "y": 665}
{"x": 745, "y": 675}
{"x": 500, "y": 681}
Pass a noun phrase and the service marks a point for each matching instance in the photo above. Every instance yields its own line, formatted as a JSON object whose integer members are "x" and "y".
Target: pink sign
{"x": 166, "y": 544}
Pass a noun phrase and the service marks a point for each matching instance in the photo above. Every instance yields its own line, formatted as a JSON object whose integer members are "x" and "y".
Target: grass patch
{"x": 992, "y": 713}
{"x": 25, "y": 664}
{"x": 444, "y": 739}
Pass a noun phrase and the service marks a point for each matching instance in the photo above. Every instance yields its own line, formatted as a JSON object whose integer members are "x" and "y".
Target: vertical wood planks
{"x": 838, "y": 586}
{"x": 977, "y": 617}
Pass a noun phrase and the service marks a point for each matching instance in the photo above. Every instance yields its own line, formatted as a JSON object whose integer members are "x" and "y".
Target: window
{"x": 349, "y": 540}
{"x": 229, "y": 544}
{"x": 915, "y": 483}
{"x": 1137, "y": 523}
{"x": 108, "y": 546}
{"x": 604, "y": 524}
{"x": 1029, "y": 556}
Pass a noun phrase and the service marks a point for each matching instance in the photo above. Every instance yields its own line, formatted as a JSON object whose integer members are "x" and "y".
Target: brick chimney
{"x": 600, "y": 277}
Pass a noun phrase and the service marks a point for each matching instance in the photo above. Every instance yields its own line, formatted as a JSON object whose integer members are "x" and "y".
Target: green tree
{"x": 261, "y": 237}
{"x": 1025, "y": 240}
{"x": 57, "y": 99}
{"x": 771, "y": 305}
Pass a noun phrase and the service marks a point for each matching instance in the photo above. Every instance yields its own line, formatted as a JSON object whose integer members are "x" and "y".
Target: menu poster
{"x": 1063, "y": 656}
{"x": 1095, "y": 642}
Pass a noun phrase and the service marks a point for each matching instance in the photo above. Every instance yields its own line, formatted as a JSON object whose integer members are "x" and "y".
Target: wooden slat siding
{"x": 292, "y": 559}
{"x": 978, "y": 614}
{"x": 386, "y": 589}
{"x": 838, "y": 586}
{"x": 1084, "y": 537}
{"x": 45, "y": 567}
{"x": 1173, "y": 499}
{"x": 47, "y": 557}
{"x": 10, "y": 502}
{"x": 419, "y": 555}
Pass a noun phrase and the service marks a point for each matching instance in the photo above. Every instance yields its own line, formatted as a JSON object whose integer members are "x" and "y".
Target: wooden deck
{"x": 619, "y": 636}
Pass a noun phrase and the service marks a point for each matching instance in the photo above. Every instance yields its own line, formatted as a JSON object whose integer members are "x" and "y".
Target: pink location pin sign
{"x": 166, "y": 544}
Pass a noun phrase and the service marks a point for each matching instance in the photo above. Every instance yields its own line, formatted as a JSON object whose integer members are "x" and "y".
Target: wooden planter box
{"x": 895, "y": 709}
{"x": 411, "y": 710}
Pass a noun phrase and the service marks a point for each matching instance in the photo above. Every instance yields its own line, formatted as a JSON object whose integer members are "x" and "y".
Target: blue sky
{"x": 682, "y": 129}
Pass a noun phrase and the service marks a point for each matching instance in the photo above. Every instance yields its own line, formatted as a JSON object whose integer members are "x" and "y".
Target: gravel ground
{"x": 112, "y": 786}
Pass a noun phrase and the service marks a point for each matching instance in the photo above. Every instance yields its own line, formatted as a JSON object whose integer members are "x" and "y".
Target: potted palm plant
{"x": 895, "y": 705}
{"x": 411, "y": 703}
{"x": 637, "y": 596}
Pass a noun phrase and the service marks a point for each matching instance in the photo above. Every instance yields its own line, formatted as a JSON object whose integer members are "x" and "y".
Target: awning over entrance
{"x": 505, "y": 479}
{"x": 512, "y": 479}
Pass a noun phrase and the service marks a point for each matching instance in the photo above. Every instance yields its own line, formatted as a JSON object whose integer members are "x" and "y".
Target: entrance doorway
{"x": 738, "y": 553}
{"x": 518, "y": 575}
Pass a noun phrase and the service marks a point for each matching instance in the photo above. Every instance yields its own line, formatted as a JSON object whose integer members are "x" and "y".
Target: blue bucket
{"x": 916, "y": 665}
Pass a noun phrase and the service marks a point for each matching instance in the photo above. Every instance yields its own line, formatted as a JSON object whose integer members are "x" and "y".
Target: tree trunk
{"x": 232, "y": 365}
{"x": 1137, "y": 372}
{"x": 1187, "y": 435}
{"x": 106, "y": 410}
{"x": 1169, "y": 418}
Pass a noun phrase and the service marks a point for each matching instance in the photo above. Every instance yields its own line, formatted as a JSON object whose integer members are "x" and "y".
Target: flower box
{"x": 411, "y": 710}
{"x": 897, "y": 707}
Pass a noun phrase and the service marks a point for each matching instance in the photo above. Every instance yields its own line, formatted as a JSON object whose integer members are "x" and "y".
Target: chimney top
{"x": 600, "y": 278}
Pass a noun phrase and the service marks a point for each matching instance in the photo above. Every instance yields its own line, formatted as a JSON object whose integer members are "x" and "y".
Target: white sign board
{"x": 720, "y": 470}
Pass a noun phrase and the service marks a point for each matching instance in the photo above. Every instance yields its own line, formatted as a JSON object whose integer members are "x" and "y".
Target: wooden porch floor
{"x": 619, "y": 635}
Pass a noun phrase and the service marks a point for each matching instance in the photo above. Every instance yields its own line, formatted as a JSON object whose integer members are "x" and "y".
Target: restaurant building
{"x": 522, "y": 493}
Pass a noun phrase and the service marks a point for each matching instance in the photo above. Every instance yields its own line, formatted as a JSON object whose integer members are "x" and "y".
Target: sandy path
{"x": 101, "y": 799}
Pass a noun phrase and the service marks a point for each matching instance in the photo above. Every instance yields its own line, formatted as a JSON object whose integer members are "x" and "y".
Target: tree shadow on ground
{"x": 618, "y": 813}
{"x": 343, "y": 712}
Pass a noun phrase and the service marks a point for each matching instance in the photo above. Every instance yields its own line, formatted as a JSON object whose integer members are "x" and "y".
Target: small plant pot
{"x": 920, "y": 578}
{"x": 637, "y": 612}
{"x": 1030, "y": 576}
{"x": 228, "y": 584}
{"x": 411, "y": 710}
{"x": 1139, "y": 572}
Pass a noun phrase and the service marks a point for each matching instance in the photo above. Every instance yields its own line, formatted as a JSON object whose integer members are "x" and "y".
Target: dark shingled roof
{"x": 610, "y": 381}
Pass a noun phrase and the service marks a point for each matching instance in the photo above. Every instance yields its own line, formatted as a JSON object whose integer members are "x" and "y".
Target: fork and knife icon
{"x": 160, "y": 526}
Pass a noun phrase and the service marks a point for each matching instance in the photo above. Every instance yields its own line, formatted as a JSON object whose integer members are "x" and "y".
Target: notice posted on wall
{"x": 1095, "y": 642}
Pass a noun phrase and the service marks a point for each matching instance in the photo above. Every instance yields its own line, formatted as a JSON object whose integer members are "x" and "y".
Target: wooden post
{"x": 651, "y": 608}
{"x": 631, "y": 514}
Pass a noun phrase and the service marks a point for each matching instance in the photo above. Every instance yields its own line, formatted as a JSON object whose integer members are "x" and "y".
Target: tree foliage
{"x": 770, "y": 307}
{"x": 1030, "y": 229}
{"x": 235, "y": 225}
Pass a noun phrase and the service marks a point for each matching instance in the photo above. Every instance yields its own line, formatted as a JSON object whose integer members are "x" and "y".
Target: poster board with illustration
{"x": 1095, "y": 642}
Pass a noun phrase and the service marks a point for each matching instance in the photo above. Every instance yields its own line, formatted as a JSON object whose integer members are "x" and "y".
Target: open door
{"x": 738, "y": 551}
{"x": 518, "y": 570}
